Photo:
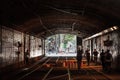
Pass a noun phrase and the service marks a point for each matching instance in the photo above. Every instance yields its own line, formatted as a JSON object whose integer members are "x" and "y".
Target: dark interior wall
{"x": 0, "y": 44}
{"x": 0, "y": 39}
{"x": 118, "y": 55}
{"x": 14, "y": 44}
{"x": 10, "y": 40}
{"x": 98, "y": 43}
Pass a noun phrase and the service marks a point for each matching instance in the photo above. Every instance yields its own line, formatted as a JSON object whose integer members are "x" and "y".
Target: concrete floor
{"x": 60, "y": 68}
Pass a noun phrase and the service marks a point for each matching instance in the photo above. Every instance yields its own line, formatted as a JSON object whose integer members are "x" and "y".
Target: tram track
{"x": 26, "y": 73}
{"x": 88, "y": 74}
{"x": 39, "y": 67}
{"x": 102, "y": 76}
{"x": 33, "y": 66}
{"x": 61, "y": 74}
{"x": 52, "y": 69}
{"x": 51, "y": 75}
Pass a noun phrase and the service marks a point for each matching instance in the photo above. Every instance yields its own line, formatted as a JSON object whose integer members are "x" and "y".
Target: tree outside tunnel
{"x": 60, "y": 45}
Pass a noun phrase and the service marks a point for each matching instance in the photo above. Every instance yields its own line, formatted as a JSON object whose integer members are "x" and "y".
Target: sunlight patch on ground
{"x": 60, "y": 54}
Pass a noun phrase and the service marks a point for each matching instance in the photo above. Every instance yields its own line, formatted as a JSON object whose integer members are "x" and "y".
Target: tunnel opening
{"x": 61, "y": 45}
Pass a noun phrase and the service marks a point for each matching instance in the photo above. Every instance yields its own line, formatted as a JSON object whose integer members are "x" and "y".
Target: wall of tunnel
{"x": 13, "y": 45}
{"x": 99, "y": 43}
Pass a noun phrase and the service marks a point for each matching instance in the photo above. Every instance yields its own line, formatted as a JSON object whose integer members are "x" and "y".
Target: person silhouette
{"x": 95, "y": 53}
{"x": 87, "y": 56}
{"x": 108, "y": 60}
{"x": 102, "y": 58}
{"x": 27, "y": 57}
{"x": 79, "y": 57}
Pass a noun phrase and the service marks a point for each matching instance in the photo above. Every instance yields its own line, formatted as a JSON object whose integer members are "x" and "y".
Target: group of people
{"x": 93, "y": 57}
{"x": 105, "y": 58}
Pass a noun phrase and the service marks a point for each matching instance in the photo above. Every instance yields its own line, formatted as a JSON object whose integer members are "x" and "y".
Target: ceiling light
{"x": 111, "y": 29}
{"x": 115, "y": 27}
{"x": 105, "y": 31}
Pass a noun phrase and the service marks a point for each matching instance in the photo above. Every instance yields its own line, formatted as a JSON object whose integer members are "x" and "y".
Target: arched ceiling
{"x": 48, "y": 17}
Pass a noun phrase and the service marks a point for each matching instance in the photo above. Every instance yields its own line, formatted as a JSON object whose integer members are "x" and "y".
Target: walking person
{"x": 79, "y": 57}
{"x": 102, "y": 59}
{"x": 87, "y": 56}
{"x": 95, "y": 53}
{"x": 108, "y": 60}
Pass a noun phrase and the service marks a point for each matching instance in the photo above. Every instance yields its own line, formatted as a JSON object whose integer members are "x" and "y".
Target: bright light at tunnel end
{"x": 61, "y": 45}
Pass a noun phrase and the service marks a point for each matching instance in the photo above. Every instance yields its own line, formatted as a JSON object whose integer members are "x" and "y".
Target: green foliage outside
{"x": 68, "y": 38}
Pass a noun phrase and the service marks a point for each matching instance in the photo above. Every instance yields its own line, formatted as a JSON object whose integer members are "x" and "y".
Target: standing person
{"x": 79, "y": 57}
{"x": 108, "y": 60}
{"x": 95, "y": 53}
{"x": 88, "y": 56}
{"x": 27, "y": 57}
{"x": 102, "y": 58}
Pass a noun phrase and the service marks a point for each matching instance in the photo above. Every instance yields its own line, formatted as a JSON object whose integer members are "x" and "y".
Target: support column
{"x": 24, "y": 46}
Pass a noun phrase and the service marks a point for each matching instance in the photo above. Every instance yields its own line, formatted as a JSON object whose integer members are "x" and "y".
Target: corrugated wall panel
{"x": 98, "y": 43}
{"x": 12, "y": 42}
{"x": 7, "y": 46}
{"x": 35, "y": 49}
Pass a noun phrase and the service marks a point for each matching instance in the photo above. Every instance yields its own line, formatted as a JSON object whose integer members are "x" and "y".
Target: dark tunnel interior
{"x": 41, "y": 39}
